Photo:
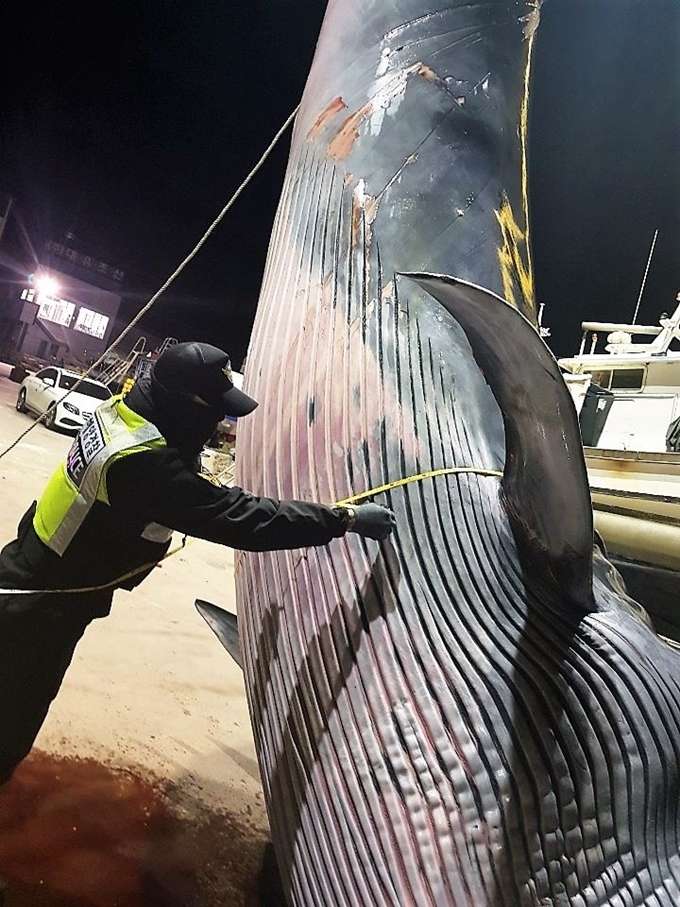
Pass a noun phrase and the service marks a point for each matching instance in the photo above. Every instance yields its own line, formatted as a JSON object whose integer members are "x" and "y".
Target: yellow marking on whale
{"x": 531, "y": 25}
{"x": 514, "y": 253}
{"x": 514, "y": 261}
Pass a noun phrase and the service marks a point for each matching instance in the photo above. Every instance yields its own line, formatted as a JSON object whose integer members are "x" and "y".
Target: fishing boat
{"x": 627, "y": 394}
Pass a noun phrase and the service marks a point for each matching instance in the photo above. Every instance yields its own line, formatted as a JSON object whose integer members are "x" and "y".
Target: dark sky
{"x": 130, "y": 125}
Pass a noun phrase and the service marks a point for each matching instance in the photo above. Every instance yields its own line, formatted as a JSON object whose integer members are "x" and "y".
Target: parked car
{"x": 44, "y": 392}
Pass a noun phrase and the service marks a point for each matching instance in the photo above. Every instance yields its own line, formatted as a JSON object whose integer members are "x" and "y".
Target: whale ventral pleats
{"x": 545, "y": 480}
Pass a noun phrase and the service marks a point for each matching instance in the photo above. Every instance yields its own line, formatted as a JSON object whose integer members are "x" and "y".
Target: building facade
{"x": 64, "y": 311}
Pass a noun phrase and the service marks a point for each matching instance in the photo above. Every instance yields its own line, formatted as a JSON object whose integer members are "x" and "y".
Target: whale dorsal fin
{"x": 545, "y": 481}
{"x": 224, "y": 625}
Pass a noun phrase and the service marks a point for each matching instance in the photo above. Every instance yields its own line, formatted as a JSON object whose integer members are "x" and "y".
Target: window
{"x": 629, "y": 379}
{"x": 48, "y": 373}
{"x": 89, "y": 388}
{"x": 67, "y": 381}
{"x": 60, "y": 311}
{"x": 92, "y": 323}
{"x": 601, "y": 378}
{"x": 98, "y": 391}
{"x": 28, "y": 295}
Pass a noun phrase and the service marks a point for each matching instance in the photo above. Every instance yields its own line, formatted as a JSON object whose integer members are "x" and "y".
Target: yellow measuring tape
{"x": 354, "y": 499}
{"x": 432, "y": 474}
{"x": 114, "y": 582}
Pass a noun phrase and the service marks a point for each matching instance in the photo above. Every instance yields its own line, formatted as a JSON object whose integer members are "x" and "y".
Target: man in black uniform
{"x": 130, "y": 478}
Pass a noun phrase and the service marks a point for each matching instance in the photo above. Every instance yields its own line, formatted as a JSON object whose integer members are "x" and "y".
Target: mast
{"x": 644, "y": 279}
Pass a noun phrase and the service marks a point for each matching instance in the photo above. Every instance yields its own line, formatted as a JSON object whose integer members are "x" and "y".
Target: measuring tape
{"x": 112, "y": 583}
{"x": 432, "y": 474}
{"x": 355, "y": 499}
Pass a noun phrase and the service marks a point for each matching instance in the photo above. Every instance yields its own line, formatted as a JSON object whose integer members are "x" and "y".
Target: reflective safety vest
{"x": 114, "y": 431}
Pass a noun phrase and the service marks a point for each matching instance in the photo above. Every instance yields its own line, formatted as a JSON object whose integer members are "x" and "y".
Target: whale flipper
{"x": 224, "y": 625}
{"x": 545, "y": 480}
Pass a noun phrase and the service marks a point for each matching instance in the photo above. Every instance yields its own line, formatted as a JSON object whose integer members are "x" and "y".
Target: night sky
{"x": 130, "y": 125}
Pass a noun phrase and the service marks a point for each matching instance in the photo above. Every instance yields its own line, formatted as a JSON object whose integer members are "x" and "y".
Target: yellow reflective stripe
{"x": 122, "y": 439}
{"x": 132, "y": 419}
{"x": 64, "y": 506}
{"x": 117, "y": 439}
{"x": 56, "y": 499}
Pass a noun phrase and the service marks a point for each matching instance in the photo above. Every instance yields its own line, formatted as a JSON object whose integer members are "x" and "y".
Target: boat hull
{"x": 636, "y": 502}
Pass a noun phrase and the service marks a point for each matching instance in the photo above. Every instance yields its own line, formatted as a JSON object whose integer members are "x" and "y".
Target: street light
{"x": 46, "y": 286}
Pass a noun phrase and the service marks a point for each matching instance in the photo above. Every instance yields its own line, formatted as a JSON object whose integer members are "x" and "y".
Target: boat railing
{"x": 620, "y": 336}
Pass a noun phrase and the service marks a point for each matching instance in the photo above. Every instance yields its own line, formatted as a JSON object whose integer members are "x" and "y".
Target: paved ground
{"x": 144, "y": 789}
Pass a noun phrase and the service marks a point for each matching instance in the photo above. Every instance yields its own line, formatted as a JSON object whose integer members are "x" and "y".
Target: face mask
{"x": 184, "y": 422}
{"x": 192, "y": 425}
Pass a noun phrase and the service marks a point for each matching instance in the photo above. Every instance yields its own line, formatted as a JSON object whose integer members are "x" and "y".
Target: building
{"x": 68, "y": 307}
{"x": 59, "y": 305}
{"x": 64, "y": 318}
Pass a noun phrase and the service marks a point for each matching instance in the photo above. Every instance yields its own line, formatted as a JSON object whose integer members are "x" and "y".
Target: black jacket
{"x": 160, "y": 486}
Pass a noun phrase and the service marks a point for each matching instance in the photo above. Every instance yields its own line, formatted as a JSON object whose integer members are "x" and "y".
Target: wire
{"x": 178, "y": 270}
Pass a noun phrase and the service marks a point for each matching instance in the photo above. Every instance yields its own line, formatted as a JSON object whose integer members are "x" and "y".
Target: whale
{"x": 473, "y": 712}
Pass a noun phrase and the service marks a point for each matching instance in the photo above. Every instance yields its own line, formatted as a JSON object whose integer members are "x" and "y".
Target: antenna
{"x": 644, "y": 279}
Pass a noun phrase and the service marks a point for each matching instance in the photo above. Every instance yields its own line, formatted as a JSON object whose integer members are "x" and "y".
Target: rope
{"x": 178, "y": 270}
{"x": 361, "y": 496}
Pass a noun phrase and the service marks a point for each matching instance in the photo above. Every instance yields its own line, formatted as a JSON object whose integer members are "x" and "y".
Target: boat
{"x": 627, "y": 394}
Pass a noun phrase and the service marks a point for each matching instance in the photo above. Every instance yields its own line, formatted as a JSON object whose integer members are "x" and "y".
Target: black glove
{"x": 370, "y": 520}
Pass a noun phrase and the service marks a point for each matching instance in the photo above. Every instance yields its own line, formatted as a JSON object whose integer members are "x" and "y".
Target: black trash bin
{"x": 594, "y": 412}
{"x": 18, "y": 374}
{"x": 673, "y": 436}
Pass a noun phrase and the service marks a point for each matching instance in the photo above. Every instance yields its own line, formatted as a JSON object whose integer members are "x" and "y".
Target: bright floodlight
{"x": 46, "y": 285}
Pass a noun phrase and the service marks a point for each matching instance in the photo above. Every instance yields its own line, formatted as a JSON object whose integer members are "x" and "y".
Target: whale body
{"x": 473, "y": 713}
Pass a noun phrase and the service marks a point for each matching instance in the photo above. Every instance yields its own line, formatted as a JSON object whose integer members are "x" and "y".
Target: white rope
{"x": 178, "y": 270}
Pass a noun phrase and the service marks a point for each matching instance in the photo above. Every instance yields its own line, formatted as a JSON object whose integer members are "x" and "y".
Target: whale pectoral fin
{"x": 224, "y": 625}
{"x": 545, "y": 481}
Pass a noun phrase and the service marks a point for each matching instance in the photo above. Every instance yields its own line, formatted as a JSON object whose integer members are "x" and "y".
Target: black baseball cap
{"x": 201, "y": 370}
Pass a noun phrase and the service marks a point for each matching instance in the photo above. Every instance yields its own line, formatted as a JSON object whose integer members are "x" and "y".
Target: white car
{"x": 44, "y": 393}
